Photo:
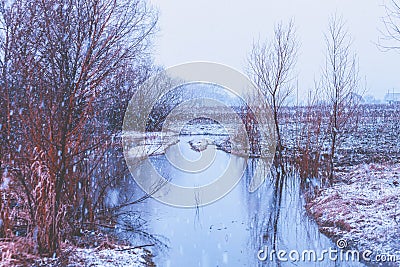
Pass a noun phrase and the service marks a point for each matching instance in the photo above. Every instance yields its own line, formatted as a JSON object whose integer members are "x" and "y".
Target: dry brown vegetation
{"x": 362, "y": 208}
{"x": 68, "y": 70}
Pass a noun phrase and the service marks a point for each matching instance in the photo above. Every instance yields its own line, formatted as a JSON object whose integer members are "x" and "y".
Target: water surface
{"x": 232, "y": 230}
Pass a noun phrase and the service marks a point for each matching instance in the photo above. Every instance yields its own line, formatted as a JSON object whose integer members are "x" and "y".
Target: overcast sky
{"x": 223, "y": 31}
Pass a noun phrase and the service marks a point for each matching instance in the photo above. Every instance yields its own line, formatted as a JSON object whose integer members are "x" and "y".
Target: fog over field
{"x": 223, "y": 31}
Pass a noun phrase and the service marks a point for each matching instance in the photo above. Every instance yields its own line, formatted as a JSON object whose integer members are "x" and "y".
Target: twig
{"x": 142, "y": 246}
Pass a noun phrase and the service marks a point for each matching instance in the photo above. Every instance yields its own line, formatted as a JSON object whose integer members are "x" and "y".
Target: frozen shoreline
{"x": 362, "y": 208}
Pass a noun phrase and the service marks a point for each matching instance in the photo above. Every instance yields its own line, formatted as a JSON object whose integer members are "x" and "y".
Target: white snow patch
{"x": 118, "y": 256}
{"x": 121, "y": 257}
{"x": 147, "y": 144}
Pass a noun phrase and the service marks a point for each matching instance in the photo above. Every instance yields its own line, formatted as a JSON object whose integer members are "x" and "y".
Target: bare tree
{"x": 340, "y": 82}
{"x": 64, "y": 63}
{"x": 391, "y": 32}
{"x": 271, "y": 67}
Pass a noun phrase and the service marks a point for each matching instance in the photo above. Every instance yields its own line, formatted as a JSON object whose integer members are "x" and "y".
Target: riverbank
{"x": 362, "y": 207}
{"x": 97, "y": 250}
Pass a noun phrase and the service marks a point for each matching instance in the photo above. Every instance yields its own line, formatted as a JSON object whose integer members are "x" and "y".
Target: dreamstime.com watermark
{"x": 340, "y": 253}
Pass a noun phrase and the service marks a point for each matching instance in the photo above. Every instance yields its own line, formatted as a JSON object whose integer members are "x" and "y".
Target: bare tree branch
{"x": 340, "y": 82}
{"x": 271, "y": 66}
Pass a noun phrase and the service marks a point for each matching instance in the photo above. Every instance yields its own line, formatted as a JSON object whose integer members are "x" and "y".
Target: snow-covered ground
{"x": 122, "y": 256}
{"x": 363, "y": 208}
{"x": 118, "y": 256}
{"x": 149, "y": 144}
{"x": 108, "y": 253}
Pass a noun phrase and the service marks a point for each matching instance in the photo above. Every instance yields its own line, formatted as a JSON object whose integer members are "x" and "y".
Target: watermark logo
{"x": 339, "y": 254}
{"x": 146, "y": 102}
{"x": 341, "y": 243}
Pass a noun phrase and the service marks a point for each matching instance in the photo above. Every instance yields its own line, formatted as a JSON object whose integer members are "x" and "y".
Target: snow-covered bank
{"x": 21, "y": 253}
{"x": 363, "y": 207}
{"x": 111, "y": 257}
{"x": 142, "y": 145}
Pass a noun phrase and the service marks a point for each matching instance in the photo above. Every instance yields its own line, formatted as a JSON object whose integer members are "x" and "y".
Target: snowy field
{"x": 363, "y": 206}
{"x": 374, "y": 137}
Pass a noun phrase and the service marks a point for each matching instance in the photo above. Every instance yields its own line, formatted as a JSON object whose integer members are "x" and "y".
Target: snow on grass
{"x": 363, "y": 208}
{"x": 122, "y": 256}
{"x": 115, "y": 256}
{"x": 150, "y": 143}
